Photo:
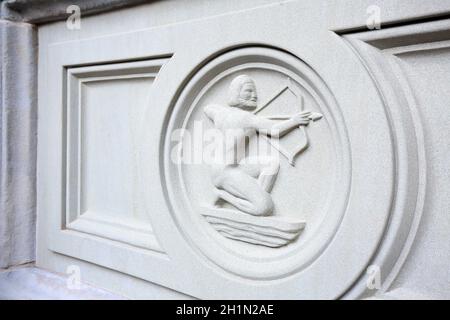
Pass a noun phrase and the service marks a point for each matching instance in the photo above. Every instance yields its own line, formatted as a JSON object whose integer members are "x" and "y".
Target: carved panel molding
{"x": 407, "y": 66}
{"x": 104, "y": 107}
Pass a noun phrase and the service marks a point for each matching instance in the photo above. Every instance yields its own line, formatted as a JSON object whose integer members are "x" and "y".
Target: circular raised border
{"x": 190, "y": 223}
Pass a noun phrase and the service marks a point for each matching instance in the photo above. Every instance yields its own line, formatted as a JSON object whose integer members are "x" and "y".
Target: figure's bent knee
{"x": 219, "y": 180}
{"x": 263, "y": 206}
{"x": 274, "y": 166}
{"x": 270, "y": 165}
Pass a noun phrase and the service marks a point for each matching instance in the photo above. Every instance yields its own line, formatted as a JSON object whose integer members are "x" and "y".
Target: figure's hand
{"x": 302, "y": 118}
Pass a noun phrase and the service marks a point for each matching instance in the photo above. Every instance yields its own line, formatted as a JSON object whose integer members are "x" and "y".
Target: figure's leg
{"x": 244, "y": 192}
{"x": 265, "y": 169}
{"x": 269, "y": 174}
{"x": 251, "y": 167}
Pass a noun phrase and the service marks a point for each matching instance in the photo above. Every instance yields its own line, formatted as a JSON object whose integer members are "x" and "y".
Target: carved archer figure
{"x": 246, "y": 183}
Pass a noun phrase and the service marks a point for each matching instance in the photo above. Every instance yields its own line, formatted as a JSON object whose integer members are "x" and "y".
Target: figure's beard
{"x": 247, "y": 104}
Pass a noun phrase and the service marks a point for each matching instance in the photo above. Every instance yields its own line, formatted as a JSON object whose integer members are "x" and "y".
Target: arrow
{"x": 314, "y": 116}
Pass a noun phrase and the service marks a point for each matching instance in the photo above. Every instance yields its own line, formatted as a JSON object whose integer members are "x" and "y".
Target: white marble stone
{"x": 31, "y": 283}
{"x": 350, "y": 204}
{"x": 18, "y": 126}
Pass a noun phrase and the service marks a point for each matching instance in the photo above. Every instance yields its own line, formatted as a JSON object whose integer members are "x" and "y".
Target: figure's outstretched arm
{"x": 279, "y": 128}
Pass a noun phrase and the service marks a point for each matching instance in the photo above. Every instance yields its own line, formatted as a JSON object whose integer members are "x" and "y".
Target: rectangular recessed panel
{"x": 106, "y": 105}
{"x": 110, "y": 114}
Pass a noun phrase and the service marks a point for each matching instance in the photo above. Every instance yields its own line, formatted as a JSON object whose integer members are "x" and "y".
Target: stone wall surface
{"x": 359, "y": 189}
{"x": 18, "y": 107}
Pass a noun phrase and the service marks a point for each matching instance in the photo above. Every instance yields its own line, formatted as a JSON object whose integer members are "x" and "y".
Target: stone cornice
{"x": 40, "y": 11}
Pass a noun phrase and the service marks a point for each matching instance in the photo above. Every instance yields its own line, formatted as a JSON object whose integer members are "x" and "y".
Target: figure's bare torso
{"x": 235, "y": 127}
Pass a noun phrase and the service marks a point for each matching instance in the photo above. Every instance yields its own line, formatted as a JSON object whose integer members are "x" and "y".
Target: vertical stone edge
{"x": 18, "y": 133}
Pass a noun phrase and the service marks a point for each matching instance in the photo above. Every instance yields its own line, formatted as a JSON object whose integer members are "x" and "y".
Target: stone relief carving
{"x": 243, "y": 208}
{"x": 300, "y": 175}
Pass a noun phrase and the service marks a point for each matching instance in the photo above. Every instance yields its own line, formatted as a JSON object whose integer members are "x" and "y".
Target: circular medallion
{"x": 257, "y": 163}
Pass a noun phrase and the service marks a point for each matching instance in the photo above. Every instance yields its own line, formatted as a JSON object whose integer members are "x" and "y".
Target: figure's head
{"x": 242, "y": 93}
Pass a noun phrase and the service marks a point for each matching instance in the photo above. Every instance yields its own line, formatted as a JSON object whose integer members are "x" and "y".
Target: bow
{"x": 313, "y": 116}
